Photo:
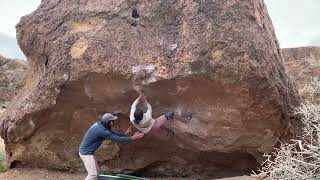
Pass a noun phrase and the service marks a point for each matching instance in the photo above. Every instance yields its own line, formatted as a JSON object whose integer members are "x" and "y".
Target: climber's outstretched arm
{"x": 134, "y": 106}
{"x": 149, "y": 107}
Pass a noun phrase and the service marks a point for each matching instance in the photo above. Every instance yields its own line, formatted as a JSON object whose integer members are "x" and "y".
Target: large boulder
{"x": 12, "y": 79}
{"x": 217, "y": 59}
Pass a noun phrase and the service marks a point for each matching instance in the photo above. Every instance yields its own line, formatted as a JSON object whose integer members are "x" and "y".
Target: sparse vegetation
{"x": 299, "y": 159}
{"x": 2, "y": 162}
{"x": 311, "y": 91}
{"x": 314, "y": 62}
{"x": 2, "y": 157}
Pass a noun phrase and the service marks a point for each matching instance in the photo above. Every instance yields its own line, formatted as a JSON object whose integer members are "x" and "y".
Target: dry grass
{"x": 299, "y": 159}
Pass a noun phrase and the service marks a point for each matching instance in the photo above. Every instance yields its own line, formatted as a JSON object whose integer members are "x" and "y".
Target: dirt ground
{"x": 35, "y": 174}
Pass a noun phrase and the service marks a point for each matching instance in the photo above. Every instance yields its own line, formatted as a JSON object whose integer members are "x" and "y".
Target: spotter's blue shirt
{"x": 94, "y": 137}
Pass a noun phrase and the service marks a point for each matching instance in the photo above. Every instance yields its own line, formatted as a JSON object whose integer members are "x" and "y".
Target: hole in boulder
{"x": 134, "y": 24}
{"x": 135, "y": 14}
{"x": 46, "y": 63}
{"x": 16, "y": 164}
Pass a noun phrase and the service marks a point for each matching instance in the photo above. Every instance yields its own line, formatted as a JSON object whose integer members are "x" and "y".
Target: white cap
{"x": 108, "y": 117}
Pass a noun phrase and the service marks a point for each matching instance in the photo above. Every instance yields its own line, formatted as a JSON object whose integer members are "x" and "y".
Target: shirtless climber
{"x": 145, "y": 123}
{"x": 94, "y": 137}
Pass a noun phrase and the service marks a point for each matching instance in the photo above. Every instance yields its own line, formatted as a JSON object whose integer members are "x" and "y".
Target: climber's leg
{"x": 184, "y": 117}
{"x": 159, "y": 127}
{"x": 163, "y": 130}
{"x": 159, "y": 121}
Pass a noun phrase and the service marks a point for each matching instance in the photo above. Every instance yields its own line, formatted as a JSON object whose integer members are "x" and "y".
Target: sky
{"x": 296, "y": 22}
{"x": 10, "y": 13}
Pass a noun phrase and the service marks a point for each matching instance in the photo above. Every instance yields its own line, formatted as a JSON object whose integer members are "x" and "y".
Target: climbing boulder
{"x": 219, "y": 60}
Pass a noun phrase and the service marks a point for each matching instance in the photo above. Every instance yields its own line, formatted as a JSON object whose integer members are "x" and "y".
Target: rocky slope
{"x": 302, "y": 64}
{"x": 217, "y": 59}
{"x": 12, "y": 78}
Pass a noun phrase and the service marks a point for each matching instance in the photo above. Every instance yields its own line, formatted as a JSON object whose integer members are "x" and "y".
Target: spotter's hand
{"x": 129, "y": 130}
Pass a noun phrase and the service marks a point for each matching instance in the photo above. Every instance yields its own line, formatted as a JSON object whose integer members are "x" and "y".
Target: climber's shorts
{"x": 169, "y": 115}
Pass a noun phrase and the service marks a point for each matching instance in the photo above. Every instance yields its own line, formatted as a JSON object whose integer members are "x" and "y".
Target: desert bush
{"x": 311, "y": 91}
{"x": 300, "y": 158}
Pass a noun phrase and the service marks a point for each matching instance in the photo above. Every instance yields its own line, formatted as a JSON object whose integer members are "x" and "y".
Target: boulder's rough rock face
{"x": 217, "y": 59}
{"x": 302, "y": 64}
{"x": 12, "y": 78}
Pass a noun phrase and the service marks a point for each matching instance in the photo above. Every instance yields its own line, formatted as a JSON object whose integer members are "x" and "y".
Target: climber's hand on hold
{"x": 145, "y": 99}
{"x": 137, "y": 87}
